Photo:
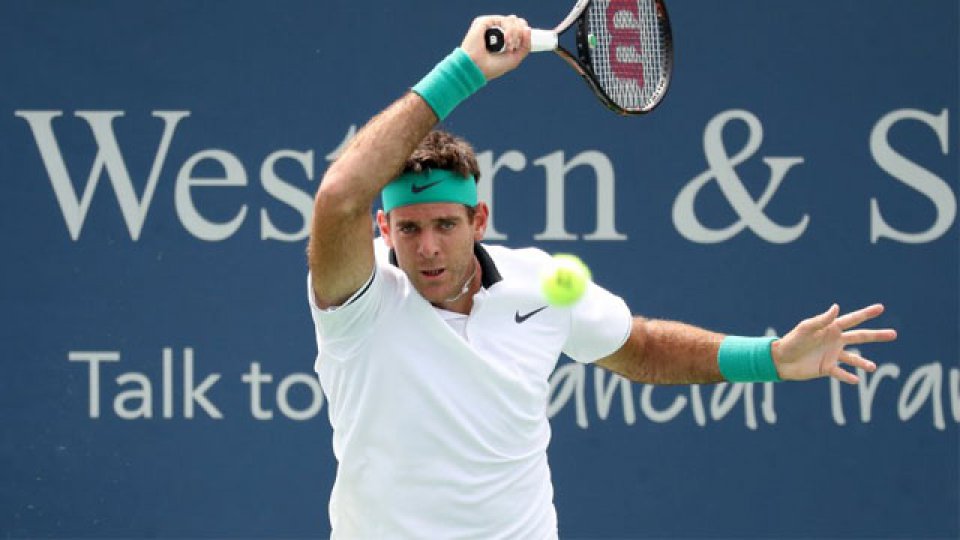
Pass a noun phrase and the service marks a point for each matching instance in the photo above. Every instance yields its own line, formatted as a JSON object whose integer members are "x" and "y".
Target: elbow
{"x": 337, "y": 198}
{"x": 631, "y": 360}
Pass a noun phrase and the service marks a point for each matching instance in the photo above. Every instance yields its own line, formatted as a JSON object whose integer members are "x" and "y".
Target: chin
{"x": 435, "y": 295}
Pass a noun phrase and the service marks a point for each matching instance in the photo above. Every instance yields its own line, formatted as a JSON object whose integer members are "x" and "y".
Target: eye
{"x": 407, "y": 228}
{"x": 447, "y": 225}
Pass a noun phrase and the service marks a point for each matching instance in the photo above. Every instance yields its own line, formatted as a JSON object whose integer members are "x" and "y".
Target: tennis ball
{"x": 564, "y": 280}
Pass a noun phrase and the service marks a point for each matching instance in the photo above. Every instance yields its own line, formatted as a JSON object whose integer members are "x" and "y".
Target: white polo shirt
{"x": 440, "y": 427}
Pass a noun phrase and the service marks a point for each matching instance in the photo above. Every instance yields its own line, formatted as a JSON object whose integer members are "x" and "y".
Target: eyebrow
{"x": 440, "y": 219}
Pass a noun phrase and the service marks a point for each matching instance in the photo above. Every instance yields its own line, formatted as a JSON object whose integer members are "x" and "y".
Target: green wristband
{"x": 747, "y": 359}
{"x": 451, "y": 81}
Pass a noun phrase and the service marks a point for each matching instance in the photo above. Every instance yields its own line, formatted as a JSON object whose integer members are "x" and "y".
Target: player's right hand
{"x": 516, "y": 33}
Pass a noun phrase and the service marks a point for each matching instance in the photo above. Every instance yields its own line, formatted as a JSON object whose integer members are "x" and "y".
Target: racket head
{"x": 625, "y": 53}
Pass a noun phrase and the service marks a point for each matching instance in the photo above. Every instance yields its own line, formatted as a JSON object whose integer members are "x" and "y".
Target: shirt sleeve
{"x": 340, "y": 330}
{"x": 600, "y": 324}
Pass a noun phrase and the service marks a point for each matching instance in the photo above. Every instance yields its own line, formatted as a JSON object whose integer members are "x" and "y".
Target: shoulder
{"x": 517, "y": 262}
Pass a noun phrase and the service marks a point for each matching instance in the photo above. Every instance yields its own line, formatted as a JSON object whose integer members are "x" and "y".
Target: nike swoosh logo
{"x": 417, "y": 189}
{"x": 521, "y": 318}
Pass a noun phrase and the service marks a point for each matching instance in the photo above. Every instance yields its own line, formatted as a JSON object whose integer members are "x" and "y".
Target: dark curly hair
{"x": 442, "y": 150}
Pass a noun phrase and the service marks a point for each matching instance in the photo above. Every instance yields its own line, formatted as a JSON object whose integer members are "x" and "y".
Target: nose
{"x": 428, "y": 247}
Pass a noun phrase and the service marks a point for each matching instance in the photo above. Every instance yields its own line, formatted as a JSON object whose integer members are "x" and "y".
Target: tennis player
{"x": 435, "y": 349}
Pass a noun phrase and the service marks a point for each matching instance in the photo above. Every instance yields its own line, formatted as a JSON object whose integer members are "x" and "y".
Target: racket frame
{"x": 583, "y": 64}
{"x": 547, "y": 40}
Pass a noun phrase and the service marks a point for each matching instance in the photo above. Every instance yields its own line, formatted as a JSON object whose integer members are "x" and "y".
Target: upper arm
{"x": 340, "y": 253}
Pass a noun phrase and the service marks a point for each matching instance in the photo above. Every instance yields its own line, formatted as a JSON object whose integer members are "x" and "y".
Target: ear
{"x": 480, "y": 219}
{"x": 383, "y": 222}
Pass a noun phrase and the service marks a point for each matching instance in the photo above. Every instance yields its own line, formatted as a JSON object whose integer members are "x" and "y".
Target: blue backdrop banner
{"x": 159, "y": 161}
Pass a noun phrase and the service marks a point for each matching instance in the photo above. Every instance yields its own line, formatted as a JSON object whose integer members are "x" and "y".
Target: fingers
{"x": 851, "y": 359}
{"x": 856, "y": 318}
{"x": 856, "y": 337}
{"x": 822, "y": 320}
{"x": 842, "y": 375}
{"x": 516, "y": 31}
{"x": 516, "y": 34}
{"x": 516, "y": 40}
{"x": 513, "y": 32}
{"x": 858, "y": 361}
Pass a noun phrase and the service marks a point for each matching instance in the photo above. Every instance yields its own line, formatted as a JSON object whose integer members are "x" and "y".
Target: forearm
{"x": 667, "y": 352}
{"x": 376, "y": 154}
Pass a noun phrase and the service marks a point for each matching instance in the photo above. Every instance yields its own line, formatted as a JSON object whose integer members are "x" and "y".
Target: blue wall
{"x": 853, "y": 107}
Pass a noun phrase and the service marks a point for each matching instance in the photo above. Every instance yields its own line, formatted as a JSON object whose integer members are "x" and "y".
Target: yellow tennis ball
{"x": 564, "y": 280}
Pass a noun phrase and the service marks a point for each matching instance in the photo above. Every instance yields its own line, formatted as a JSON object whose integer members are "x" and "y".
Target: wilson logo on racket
{"x": 624, "y": 50}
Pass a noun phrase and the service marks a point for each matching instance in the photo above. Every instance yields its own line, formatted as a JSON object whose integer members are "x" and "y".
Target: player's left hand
{"x": 815, "y": 347}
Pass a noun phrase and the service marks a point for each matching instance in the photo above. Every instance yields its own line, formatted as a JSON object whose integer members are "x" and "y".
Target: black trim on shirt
{"x": 365, "y": 288}
{"x": 488, "y": 270}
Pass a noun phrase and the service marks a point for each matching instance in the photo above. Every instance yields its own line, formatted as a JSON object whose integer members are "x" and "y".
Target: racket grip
{"x": 543, "y": 40}
{"x": 540, "y": 40}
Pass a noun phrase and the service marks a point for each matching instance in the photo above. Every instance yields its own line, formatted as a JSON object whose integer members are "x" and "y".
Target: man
{"x": 435, "y": 350}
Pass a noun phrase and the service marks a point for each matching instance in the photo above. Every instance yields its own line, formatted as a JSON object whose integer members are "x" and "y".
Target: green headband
{"x": 429, "y": 186}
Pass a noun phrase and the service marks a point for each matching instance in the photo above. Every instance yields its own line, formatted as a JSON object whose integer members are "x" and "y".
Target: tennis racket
{"x": 624, "y": 50}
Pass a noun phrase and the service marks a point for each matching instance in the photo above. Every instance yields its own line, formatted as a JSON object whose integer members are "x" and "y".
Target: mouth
{"x": 432, "y": 274}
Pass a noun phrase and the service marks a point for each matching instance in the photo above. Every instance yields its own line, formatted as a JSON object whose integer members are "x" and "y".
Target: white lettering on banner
{"x": 286, "y": 193}
{"x": 316, "y": 401}
{"x": 569, "y": 381}
{"x": 197, "y": 394}
{"x": 955, "y": 394}
{"x": 866, "y": 390}
{"x": 134, "y": 397}
{"x": 656, "y": 415}
{"x": 722, "y": 169}
{"x": 255, "y": 378}
{"x": 557, "y": 169}
{"x": 605, "y": 393}
{"x": 923, "y": 385}
{"x": 868, "y": 384}
{"x": 569, "y": 384}
{"x": 234, "y": 176}
{"x": 143, "y": 391}
{"x": 930, "y": 185}
{"x": 928, "y": 382}
{"x": 93, "y": 374}
{"x": 511, "y": 159}
{"x": 108, "y": 158}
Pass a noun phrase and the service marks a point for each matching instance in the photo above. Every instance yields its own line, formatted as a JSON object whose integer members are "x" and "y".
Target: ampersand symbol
{"x": 723, "y": 170}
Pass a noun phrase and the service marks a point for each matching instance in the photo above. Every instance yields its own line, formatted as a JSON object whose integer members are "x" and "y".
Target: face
{"x": 434, "y": 245}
